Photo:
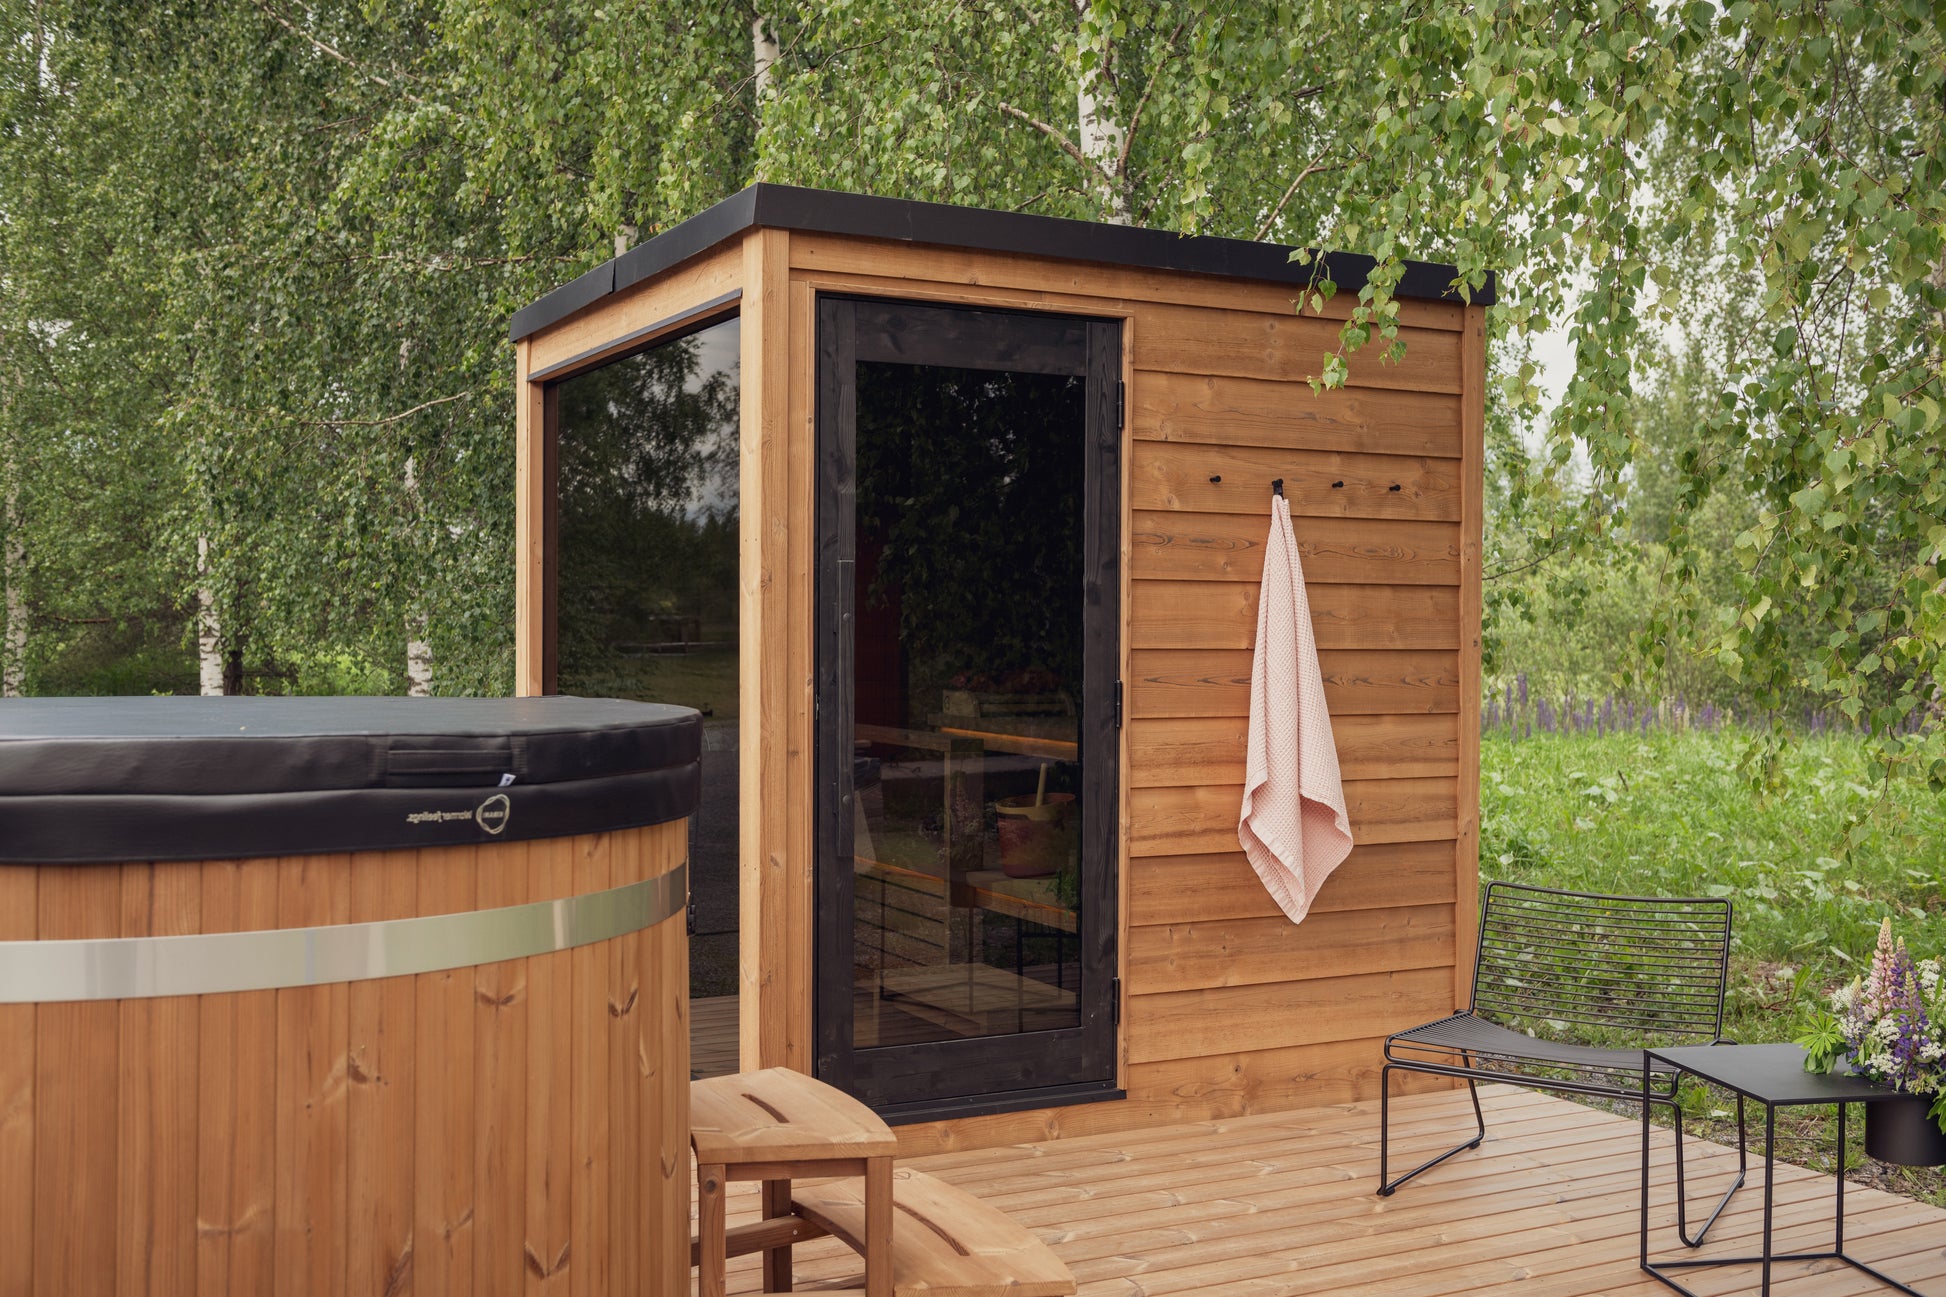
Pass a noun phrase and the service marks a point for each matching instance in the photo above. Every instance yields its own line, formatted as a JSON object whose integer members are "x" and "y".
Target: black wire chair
{"x": 1568, "y": 990}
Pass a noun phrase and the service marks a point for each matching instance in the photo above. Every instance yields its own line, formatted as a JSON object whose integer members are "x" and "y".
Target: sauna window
{"x": 645, "y": 597}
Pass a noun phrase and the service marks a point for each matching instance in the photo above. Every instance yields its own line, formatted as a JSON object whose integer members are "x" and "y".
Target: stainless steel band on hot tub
{"x": 130, "y": 968}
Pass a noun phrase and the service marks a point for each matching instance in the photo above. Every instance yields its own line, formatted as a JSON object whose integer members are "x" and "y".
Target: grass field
{"x": 704, "y": 678}
{"x": 1810, "y": 870}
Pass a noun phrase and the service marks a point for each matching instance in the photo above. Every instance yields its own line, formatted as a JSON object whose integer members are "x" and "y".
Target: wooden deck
{"x": 1283, "y": 1204}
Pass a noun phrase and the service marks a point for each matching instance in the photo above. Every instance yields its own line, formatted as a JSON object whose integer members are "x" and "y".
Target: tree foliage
{"x": 262, "y": 256}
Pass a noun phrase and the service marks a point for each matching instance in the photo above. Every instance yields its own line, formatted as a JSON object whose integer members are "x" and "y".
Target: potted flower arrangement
{"x": 1890, "y": 1026}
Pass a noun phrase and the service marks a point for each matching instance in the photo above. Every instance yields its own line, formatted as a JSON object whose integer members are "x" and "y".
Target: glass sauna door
{"x": 968, "y": 590}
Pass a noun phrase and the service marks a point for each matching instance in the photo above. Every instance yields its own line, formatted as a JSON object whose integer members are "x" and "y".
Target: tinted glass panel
{"x": 967, "y": 702}
{"x": 647, "y": 598}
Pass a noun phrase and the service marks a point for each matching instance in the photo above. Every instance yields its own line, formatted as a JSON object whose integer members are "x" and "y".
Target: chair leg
{"x": 1682, "y": 1204}
{"x": 1387, "y": 1187}
{"x": 711, "y": 1278}
{"x": 878, "y": 1227}
{"x": 777, "y": 1260}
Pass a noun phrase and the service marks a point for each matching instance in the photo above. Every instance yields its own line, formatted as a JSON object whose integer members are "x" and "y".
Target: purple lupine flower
{"x": 1521, "y": 679}
{"x": 1900, "y": 999}
{"x": 1544, "y": 715}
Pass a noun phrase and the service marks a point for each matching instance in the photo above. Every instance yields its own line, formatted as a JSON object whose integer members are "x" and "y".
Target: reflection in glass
{"x": 968, "y": 641}
{"x": 647, "y": 597}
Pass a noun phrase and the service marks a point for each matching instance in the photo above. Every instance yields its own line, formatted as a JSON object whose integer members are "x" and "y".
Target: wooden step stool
{"x": 947, "y": 1243}
{"x": 778, "y": 1126}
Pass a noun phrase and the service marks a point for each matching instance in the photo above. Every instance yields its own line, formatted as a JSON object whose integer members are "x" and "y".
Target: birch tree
{"x": 319, "y": 187}
{"x": 1589, "y": 154}
{"x": 1102, "y": 137}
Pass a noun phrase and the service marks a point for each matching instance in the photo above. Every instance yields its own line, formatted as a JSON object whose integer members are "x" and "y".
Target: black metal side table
{"x": 1774, "y": 1076}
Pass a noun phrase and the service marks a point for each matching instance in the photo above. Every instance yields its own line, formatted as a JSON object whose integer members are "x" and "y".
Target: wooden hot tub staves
{"x": 482, "y": 1129}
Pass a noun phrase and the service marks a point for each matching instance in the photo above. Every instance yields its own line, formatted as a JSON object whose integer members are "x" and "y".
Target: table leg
{"x": 711, "y": 1262}
{"x": 1770, "y": 1181}
{"x": 1839, "y": 1246}
{"x": 777, "y": 1260}
{"x": 1645, "y": 1156}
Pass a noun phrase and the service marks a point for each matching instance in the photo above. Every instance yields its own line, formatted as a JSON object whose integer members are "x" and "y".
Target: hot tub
{"x": 344, "y": 995}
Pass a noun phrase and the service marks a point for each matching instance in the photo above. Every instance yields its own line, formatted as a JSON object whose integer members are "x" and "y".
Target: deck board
{"x": 1282, "y": 1205}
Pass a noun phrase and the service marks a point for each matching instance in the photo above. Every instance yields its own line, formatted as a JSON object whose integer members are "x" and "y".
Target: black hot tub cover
{"x": 109, "y": 779}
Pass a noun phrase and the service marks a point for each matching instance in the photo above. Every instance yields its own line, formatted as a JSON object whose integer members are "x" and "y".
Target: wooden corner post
{"x": 1473, "y": 418}
{"x": 774, "y": 647}
{"x": 530, "y": 528}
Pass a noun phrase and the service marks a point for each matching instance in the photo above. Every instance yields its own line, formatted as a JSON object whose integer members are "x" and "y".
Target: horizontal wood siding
{"x": 1216, "y": 410}
{"x": 1284, "y": 346}
{"x": 1172, "y": 750}
{"x": 1231, "y": 1008}
{"x": 1182, "y": 546}
{"x": 1216, "y": 682}
{"x": 1223, "y": 615}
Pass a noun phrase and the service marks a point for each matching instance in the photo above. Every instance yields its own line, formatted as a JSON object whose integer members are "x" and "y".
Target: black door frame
{"x": 993, "y": 1073}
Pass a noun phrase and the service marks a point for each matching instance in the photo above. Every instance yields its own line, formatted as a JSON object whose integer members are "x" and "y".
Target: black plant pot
{"x": 1898, "y": 1130}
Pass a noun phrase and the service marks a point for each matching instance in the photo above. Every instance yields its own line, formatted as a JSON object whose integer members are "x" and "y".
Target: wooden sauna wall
{"x": 518, "y": 1127}
{"x": 1228, "y": 1009}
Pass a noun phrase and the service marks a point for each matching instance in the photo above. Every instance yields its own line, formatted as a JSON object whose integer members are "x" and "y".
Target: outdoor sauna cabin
{"x": 950, "y": 523}
{"x": 329, "y": 995}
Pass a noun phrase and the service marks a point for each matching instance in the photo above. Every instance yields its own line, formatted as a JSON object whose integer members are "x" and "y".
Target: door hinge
{"x": 1115, "y": 995}
{"x": 1118, "y": 704}
{"x": 1121, "y": 405}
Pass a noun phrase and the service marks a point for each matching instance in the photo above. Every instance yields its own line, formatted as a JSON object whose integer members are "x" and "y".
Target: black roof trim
{"x": 699, "y": 233}
{"x": 824, "y": 211}
{"x": 565, "y": 301}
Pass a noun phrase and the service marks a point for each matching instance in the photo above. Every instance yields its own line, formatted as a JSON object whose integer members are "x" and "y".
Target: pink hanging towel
{"x": 1293, "y": 825}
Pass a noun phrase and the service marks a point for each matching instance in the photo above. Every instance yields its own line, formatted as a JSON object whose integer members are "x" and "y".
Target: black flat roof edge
{"x": 829, "y": 211}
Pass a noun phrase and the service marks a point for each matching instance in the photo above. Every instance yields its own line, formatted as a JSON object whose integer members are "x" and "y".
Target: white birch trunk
{"x": 209, "y": 635}
{"x": 763, "y": 54}
{"x": 13, "y": 675}
{"x": 418, "y": 651}
{"x": 1101, "y": 132}
{"x": 418, "y": 656}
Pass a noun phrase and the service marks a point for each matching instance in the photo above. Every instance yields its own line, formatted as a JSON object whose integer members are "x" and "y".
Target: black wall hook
{"x": 1337, "y": 486}
{"x": 1395, "y": 487}
{"x": 1215, "y": 478}
{"x": 1277, "y": 487}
